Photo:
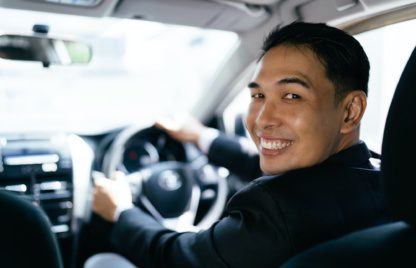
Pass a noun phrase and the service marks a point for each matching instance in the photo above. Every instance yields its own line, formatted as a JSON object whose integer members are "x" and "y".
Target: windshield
{"x": 139, "y": 71}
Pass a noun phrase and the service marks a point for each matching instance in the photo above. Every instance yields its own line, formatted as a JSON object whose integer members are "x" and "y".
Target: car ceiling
{"x": 232, "y": 15}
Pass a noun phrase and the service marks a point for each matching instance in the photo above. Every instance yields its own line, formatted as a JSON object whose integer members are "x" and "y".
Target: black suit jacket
{"x": 230, "y": 153}
{"x": 267, "y": 222}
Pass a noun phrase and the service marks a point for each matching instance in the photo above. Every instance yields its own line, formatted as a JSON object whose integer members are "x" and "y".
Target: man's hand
{"x": 182, "y": 128}
{"x": 110, "y": 194}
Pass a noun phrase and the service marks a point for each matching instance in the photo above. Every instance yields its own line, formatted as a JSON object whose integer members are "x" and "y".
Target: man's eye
{"x": 257, "y": 96}
{"x": 292, "y": 96}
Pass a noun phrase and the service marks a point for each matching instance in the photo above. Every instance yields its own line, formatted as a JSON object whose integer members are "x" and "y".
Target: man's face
{"x": 293, "y": 118}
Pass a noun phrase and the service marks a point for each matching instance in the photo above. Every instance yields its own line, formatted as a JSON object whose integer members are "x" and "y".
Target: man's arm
{"x": 237, "y": 154}
{"x": 253, "y": 234}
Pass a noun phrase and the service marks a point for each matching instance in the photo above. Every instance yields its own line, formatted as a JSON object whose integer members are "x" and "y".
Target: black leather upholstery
{"x": 394, "y": 244}
{"x": 26, "y": 239}
{"x": 399, "y": 146}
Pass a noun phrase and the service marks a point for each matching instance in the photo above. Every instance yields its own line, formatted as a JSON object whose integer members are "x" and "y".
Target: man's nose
{"x": 270, "y": 115}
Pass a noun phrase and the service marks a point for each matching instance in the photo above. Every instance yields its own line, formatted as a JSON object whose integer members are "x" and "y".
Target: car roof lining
{"x": 231, "y": 15}
{"x": 104, "y": 8}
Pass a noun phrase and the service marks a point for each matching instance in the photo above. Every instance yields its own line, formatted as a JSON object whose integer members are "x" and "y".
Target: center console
{"x": 51, "y": 171}
{"x": 40, "y": 170}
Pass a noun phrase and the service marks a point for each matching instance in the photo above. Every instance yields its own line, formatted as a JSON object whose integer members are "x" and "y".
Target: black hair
{"x": 344, "y": 59}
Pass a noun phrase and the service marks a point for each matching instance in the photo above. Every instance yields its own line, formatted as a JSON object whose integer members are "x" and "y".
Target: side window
{"x": 388, "y": 49}
{"x": 235, "y": 113}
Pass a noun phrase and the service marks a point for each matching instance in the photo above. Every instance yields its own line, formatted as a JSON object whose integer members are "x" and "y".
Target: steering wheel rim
{"x": 138, "y": 179}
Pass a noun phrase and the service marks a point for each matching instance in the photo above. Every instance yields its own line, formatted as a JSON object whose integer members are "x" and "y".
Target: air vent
{"x": 40, "y": 170}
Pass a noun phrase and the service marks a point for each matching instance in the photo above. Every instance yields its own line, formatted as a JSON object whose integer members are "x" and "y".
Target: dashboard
{"x": 53, "y": 171}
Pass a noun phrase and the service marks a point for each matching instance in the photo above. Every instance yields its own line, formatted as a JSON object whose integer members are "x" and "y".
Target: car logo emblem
{"x": 169, "y": 180}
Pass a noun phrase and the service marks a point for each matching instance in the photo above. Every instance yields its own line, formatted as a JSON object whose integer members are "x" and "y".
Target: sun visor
{"x": 222, "y": 15}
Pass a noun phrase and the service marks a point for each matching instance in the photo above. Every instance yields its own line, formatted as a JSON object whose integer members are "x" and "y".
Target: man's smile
{"x": 275, "y": 144}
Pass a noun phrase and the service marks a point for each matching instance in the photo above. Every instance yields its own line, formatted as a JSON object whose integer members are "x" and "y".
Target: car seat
{"x": 26, "y": 238}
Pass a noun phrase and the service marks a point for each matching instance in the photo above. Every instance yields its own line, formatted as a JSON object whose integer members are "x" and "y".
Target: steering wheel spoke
{"x": 182, "y": 223}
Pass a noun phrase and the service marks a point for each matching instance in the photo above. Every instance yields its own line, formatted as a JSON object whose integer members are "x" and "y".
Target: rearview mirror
{"x": 44, "y": 49}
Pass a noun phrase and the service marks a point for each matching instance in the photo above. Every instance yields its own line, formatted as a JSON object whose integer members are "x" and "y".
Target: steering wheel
{"x": 171, "y": 190}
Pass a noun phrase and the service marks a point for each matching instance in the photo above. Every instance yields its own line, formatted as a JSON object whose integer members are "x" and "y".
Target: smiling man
{"x": 297, "y": 117}
{"x": 308, "y": 97}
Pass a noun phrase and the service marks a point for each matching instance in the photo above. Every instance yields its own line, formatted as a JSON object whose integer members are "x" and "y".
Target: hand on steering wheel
{"x": 171, "y": 190}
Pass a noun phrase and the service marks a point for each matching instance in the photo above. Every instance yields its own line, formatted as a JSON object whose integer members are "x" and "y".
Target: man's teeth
{"x": 274, "y": 145}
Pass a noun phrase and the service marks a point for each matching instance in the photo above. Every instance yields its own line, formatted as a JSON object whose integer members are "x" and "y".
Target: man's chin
{"x": 269, "y": 171}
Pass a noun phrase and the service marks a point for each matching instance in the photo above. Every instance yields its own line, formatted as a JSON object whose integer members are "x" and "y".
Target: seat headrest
{"x": 399, "y": 144}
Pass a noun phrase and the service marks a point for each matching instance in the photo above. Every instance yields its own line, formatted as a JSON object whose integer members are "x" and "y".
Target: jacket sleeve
{"x": 252, "y": 235}
{"x": 230, "y": 152}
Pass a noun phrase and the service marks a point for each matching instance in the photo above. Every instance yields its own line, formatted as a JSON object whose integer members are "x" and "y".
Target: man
{"x": 237, "y": 154}
{"x": 308, "y": 97}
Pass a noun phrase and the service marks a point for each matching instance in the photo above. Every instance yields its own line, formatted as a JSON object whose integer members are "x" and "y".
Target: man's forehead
{"x": 290, "y": 60}
{"x": 289, "y": 53}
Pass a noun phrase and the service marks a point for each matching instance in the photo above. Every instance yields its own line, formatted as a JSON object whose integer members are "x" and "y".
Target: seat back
{"x": 399, "y": 144}
{"x": 26, "y": 239}
{"x": 394, "y": 244}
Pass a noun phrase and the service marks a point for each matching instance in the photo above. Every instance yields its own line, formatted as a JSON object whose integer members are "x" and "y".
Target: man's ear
{"x": 354, "y": 105}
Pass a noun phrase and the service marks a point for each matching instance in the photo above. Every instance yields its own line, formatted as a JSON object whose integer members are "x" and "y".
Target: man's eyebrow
{"x": 284, "y": 81}
{"x": 293, "y": 80}
{"x": 253, "y": 85}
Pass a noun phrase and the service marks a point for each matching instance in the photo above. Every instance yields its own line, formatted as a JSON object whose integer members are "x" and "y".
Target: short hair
{"x": 344, "y": 59}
